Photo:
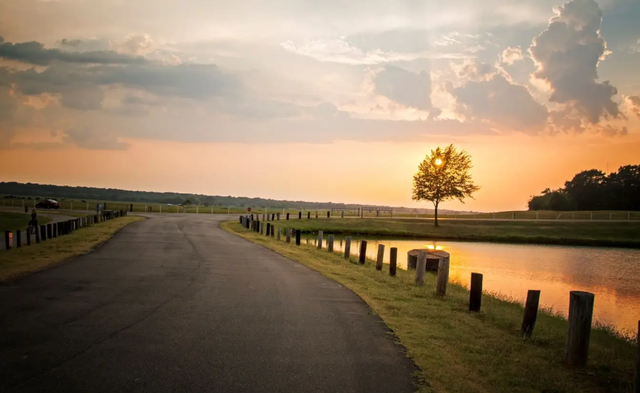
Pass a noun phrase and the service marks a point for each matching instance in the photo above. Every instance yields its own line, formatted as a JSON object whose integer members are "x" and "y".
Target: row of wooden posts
{"x": 53, "y": 230}
{"x": 580, "y": 308}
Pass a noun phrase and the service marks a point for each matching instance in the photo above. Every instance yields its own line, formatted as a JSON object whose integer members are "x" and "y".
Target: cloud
{"x": 341, "y": 51}
{"x": 404, "y": 87}
{"x": 135, "y": 44}
{"x": 71, "y": 43}
{"x": 511, "y": 55}
{"x": 472, "y": 69}
{"x": 503, "y": 104}
{"x": 89, "y": 138}
{"x": 35, "y": 53}
{"x": 567, "y": 55}
{"x": 633, "y": 102}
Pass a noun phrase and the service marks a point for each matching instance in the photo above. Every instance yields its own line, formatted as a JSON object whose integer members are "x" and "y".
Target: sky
{"x": 319, "y": 101}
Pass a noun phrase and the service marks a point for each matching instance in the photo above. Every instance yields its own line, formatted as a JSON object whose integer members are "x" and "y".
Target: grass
{"x": 28, "y": 259}
{"x": 459, "y": 351}
{"x": 14, "y": 221}
{"x": 615, "y": 234}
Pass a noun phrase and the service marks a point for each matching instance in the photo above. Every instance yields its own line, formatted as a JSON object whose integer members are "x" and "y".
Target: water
{"x": 612, "y": 274}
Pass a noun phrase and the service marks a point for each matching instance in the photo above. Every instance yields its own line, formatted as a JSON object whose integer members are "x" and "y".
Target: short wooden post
{"x": 347, "y": 247}
{"x": 287, "y": 216}
{"x": 329, "y": 214}
{"x": 475, "y": 294}
{"x": 297, "y": 237}
{"x": 18, "y": 238}
{"x": 342, "y": 214}
{"x": 580, "y": 316}
{"x": 637, "y": 387}
{"x": 268, "y": 229}
{"x": 7, "y": 240}
{"x": 289, "y": 235}
{"x": 316, "y": 214}
{"x": 421, "y": 268}
{"x": 330, "y": 243}
{"x": 443, "y": 276}
{"x": 530, "y": 312}
{"x": 299, "y": 215}
{"x": 262, "y": 228}
{"x": 278, "y": 234}
{"x": 278, "y": 216}
{"x": 319, "y": 240}
{"x": 49, "y": 231}
{"x": 363, "y": 252}
{"x": 393, "y": 261}
{"x": 380, "y": 258}
{"x": 43, "y": 232}
{"x": 273, "y": 230}
{"x": 308, "y": 215}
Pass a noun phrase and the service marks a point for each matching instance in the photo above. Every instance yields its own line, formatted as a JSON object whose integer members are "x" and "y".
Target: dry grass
{"x": 463, "y": 352}
{"x": 28, "y": 259}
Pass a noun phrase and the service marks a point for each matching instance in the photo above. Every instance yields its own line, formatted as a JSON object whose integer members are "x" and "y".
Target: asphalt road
{"x": 175, "y": 304}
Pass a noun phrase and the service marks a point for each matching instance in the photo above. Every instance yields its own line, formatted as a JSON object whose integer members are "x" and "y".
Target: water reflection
{"x": 611, "y": 274}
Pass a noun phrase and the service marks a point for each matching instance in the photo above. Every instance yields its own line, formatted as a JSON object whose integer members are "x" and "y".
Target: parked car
{"x": 48, "y": 204}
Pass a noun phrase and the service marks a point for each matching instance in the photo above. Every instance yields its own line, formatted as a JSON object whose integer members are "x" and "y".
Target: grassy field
{"x": 25, "y": 260}
{"x": 13, "y": 221}
{"x": 619, "y": 234}
{"x": 460, "y": 352}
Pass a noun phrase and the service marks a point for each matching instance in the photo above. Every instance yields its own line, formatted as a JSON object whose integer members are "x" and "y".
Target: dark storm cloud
{"x": 35, "y": 53}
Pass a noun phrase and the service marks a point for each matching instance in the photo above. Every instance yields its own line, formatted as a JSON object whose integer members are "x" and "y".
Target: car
{"x": 48, "y": 204}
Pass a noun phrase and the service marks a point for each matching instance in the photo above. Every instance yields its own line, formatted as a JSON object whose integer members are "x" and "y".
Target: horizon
{"x": 294, "y": 101}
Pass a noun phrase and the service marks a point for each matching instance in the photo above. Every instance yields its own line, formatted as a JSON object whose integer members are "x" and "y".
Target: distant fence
{"x": 42, "y": 233}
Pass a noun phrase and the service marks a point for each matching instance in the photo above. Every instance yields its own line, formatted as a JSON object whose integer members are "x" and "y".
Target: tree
{"x": 588, "y": 189}
{"x": 442, "y": 176}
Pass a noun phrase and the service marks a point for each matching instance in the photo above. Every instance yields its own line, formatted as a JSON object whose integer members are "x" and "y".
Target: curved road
{"x": 175, "y": 304}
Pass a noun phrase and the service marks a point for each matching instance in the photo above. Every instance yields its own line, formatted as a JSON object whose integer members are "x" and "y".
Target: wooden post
{"x": 328, "y": 213}
{"x": 28, "y": 236}
{"x": 443, "y": 276}
{"x": 319, "y": 240}
{"x": 278, "y": 234}
{"x": 297, "y": 237}
{"x": 18, "y": 238}
{"x": 316, "y": 214}
{"x": 347, "y": 247}
{"x": 421, "y": 268}
{"x": 273, "y": 230}
{"x": 43, "y": 232}
{"x": 393, "y": 261}
{"x": 580, "y": 316}
{"x": 7, "y": 240}
{"x": 308, "y": 215}
{"x": 268, "y": 229}
{"x": 475, "y": 295}
{"x": 330, "y": 243}
{"x": 49, "y": 231}
{"x": 637, "y": 388}
{"x": 380, "y": 258}
{"x": 261, "y": 228}
{"x": 530, "y": 312}
{"x": 299, "y": 215}
{"x": 342, "y": 214}
{"x": 363, "y": 252}
{"x": 289, "y": 235}
{"x": 287, "y": 216}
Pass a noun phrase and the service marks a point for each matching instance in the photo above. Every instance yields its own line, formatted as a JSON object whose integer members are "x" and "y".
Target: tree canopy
{"x": 594, "y": 190}
{"x": 444, "y": 175}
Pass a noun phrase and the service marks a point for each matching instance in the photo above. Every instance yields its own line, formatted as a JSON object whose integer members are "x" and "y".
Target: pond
{"x": 612, "y": 274}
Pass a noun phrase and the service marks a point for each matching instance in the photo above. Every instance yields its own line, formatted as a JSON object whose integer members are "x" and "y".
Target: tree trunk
{"x": 436, "y": 214}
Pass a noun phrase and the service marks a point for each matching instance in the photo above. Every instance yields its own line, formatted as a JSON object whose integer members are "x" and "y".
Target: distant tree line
{"x": 594, "y": 190}
{"x": 116, "y": 195}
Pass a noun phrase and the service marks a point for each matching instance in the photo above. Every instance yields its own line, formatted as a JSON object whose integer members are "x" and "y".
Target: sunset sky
{"x": 317, "y": 100}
